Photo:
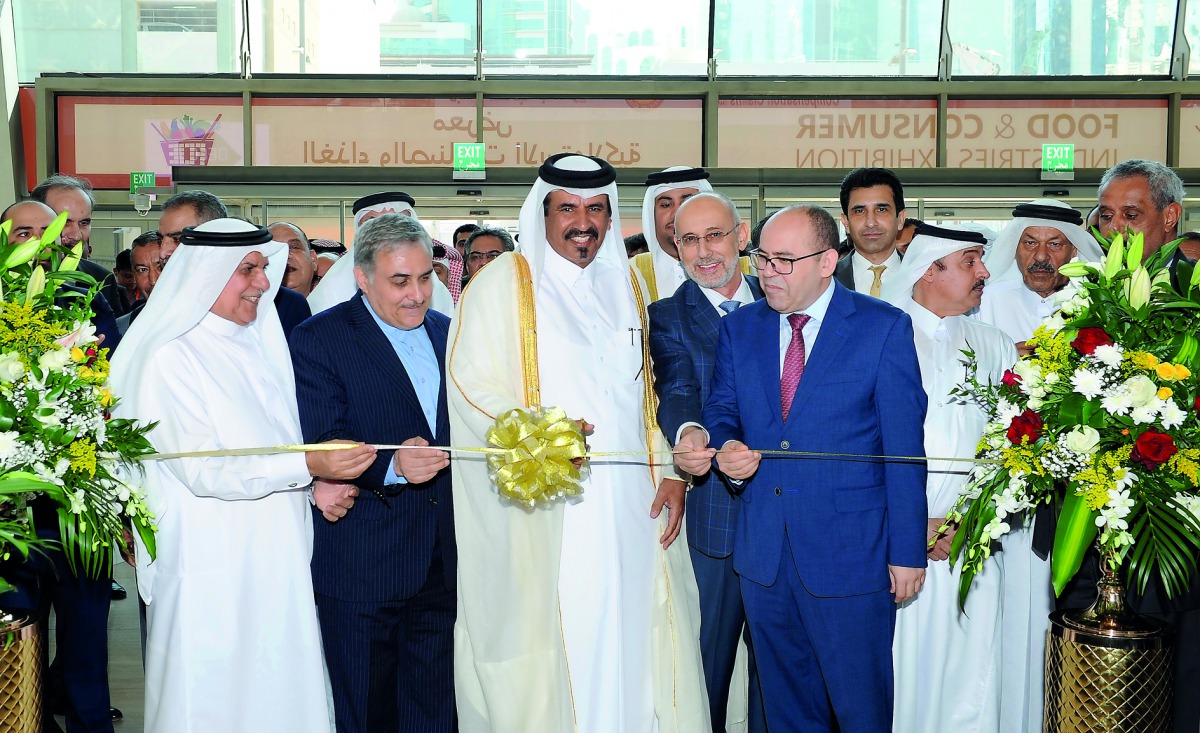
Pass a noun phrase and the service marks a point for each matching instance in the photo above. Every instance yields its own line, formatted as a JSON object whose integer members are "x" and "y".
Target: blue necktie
{"x": 729, "y": 306}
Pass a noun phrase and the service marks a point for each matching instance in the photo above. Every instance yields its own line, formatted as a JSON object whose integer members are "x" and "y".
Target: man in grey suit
{"x": 873, "y": 214}
{"x": 683, "y": 341}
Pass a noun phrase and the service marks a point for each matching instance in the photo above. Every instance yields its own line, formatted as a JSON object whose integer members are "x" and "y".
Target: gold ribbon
{"x": 537, "y": 453}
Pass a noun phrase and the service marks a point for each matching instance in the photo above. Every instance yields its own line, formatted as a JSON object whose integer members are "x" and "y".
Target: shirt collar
{"x": 743, "y": 294}
{"x": 384, "y": 325}
{"x": 862, "y": 264}
{"x": 927, "y": 323}
{"x": 816, "y": 311}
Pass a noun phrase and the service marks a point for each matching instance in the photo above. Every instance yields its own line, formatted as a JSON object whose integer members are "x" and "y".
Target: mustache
{"x": 707, "y": 261}
{"x": 591, "y": 231}
{"x": 978, "y": 284}
{"x": 1045, "y": 267}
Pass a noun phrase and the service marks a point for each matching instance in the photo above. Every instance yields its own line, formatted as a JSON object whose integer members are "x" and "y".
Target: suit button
{"x": 433, "y": 501}
{"x": 778, "y": 491}
{"x": 785, "y": 445}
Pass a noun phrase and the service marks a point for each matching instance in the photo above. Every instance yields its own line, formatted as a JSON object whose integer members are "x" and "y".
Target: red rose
{"x": 1153, "y": 449}
{"x": 1011, "y": 379}
{"x": 1196, "y": 404}
{"x": 1027, "y": 424}
{"x": 1089, "y": 338}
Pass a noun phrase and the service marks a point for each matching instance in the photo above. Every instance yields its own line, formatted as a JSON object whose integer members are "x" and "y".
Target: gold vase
{"x": 20, "y": 677}
{"x": 1108, "y": 670}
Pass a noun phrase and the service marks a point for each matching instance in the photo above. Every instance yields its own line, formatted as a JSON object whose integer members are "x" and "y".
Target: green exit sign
{"x": 469, "y": 157}
{"x": 140, "y": 179}
{"x": 1058, "y": 157}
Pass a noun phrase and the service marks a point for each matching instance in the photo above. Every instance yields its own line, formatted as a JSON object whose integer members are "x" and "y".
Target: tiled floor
{"x": 125, "y": 679}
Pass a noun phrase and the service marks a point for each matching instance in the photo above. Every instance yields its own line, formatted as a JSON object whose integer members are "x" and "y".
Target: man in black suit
{"x": 684, "y": 327}
{"x": 371, "y": 369}
{"x": 873, "y": 214}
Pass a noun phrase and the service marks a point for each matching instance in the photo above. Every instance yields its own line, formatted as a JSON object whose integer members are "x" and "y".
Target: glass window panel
{"x": 1009, "y": 133}
{"x": 361, "y": 131}
{"x": 602, "y": 37}
{"x": 826, "y": 133}
{"x": 156, "y": 133}
{"x": 1062, "y": 37}
{"x": 126, "y": 36}
{"x": 827, "y": 37}
{"x": 640, "y": 133}
{"x": 1191, "y": 30}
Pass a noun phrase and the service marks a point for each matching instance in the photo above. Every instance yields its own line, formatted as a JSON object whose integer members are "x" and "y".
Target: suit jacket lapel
{"x": 707, "y": 321}
{"x": 380, "y": 351}
{"x": 825, "y": 352}
{"x": 764, "y": 337}
{"x": 755, "y": 288}
{"x": 438, "y": 338}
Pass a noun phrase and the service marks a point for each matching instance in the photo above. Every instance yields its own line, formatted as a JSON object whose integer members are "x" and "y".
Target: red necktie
{"x": 793, "y": 362}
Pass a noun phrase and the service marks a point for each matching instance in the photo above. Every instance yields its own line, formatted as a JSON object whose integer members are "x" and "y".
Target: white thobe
{"x": 947, "y": 663}
{"x": 605, "y": 580}
{"x": 232, "y": 637}
{"x": 571, "y": 617}
{"x": 1015, "y": 309}
{"x": 1028, "y": 591}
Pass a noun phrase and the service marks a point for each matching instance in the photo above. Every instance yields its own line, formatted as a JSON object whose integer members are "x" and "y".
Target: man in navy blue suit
{"x": 709, "y": 235}
{"x": 371, "y": 369}
{"x": 825, "y": 546}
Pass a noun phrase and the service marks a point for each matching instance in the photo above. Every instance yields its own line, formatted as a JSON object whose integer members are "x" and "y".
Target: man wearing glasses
{"x": 709, "y": 235}
{"x": 484, "y": 246}
{"x": 825, "y": 547}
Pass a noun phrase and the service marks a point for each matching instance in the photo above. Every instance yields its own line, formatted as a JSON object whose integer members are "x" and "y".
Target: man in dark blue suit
{"x": 371, "y": 369}
{"x": 709, "y": 235}
{"x": 825, "y": 546}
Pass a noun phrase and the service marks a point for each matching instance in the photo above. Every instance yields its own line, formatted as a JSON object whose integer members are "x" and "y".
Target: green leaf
{"x": 50, "y": 236}
{"x": 22, "y": 253}
{"x": 1075, "y": 532}
{"x": 1071, "y": 409}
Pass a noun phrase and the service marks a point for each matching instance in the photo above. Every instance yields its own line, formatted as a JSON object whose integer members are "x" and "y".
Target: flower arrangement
{"x": 57, "y": 436}
{"x": 1101, "y": 418}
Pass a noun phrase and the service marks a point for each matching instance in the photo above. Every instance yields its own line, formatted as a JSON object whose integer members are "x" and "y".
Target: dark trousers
{"x": 722, "y": 623}
{"x": 821, "y": 661}
{"x": 391, "y": 664}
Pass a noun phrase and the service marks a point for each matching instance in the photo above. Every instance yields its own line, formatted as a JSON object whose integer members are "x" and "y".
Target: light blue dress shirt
{"x": 420, "y": 362}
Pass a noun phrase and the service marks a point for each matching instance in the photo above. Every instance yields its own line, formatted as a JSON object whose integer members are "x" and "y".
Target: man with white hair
{"x": 665, "y": 192}
{"x": 338, "y": 284}
{"x": 946, "y": 661}
{"x": 232, "y": 635}
{"x": 581, "y": 615}
{"x": 1024, "y": 290}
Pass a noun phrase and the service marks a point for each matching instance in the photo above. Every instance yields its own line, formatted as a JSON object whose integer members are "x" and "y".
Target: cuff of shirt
{"x": 685, "y": 426}
{"x": 391, "y": 478}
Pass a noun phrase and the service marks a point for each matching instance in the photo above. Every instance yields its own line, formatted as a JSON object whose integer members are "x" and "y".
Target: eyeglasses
{"x": 490, "y": 255}
{"x": 691, "y": 240}
{"x": 781, "y": 265}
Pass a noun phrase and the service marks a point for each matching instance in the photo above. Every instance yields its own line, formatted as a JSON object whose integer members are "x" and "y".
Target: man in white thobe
{"x": 1024, "y": 290}
{"x": 232, "y": 637}
{"x": 666, "y": 190}
{"x": 947, "y": 661}
{"x": 582, "y": 615}
{"x": 337, "y": 285}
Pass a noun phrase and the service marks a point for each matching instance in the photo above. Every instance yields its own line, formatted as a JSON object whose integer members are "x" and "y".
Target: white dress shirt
{"x": 863, "y": 277}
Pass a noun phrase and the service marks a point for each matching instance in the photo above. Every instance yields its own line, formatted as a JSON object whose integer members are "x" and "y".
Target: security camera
{"x": 141, "y": 203}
